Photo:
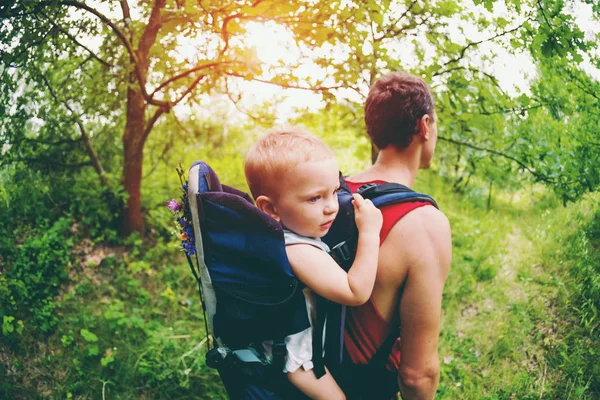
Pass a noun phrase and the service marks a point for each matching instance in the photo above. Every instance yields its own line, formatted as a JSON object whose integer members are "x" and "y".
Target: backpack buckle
{"x": 366, "y": 187}
{"x": 214, "y": 358}
{"x": 341, "y": 251}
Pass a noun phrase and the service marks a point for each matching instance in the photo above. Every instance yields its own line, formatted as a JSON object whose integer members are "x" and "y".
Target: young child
{"x": 294, "y": 178}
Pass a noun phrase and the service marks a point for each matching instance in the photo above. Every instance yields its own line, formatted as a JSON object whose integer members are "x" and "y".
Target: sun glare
{"x": 274, "y": 45}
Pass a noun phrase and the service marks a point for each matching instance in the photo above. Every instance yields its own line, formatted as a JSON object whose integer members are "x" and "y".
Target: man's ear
{"x": 266, "y": 205}
{"x": 424, "y": 124}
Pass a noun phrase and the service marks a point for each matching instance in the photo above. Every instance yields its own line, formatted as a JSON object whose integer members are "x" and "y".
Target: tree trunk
{"x": 133, "y": 148}
{"x": 136, "y": 130}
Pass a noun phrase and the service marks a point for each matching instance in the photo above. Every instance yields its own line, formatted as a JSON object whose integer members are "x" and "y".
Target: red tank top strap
{"x": 391, "y": 213}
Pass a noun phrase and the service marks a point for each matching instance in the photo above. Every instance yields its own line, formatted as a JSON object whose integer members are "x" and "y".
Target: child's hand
{"x": 368, "y": 217}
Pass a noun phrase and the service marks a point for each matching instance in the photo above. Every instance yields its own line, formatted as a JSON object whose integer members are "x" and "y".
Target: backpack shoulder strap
{"x": 392, "y": 193}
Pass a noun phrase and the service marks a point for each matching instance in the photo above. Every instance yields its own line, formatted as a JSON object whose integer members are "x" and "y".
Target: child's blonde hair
{"x": 275, "y": 153}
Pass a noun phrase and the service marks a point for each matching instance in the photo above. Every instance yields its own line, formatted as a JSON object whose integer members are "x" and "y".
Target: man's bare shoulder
{"x": 426, "y": 220}
{"x": 421, "y": 234}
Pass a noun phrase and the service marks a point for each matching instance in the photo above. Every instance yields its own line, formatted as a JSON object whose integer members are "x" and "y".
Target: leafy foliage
{"x": 86, "y": 313}
{"x": 66, "y": 103}
{"x": 38, "y": 269}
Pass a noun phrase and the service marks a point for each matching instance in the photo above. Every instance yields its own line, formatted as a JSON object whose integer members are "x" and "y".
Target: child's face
{"x": 307, "y": 203}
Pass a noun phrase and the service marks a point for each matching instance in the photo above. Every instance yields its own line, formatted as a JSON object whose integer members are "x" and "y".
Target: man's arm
{"x": 426, "y": 233}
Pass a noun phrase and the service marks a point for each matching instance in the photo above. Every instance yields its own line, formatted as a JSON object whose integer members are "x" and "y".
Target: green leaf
{"x": 93, "y": 350}
{"x": 7, "y": 325}
{"x": 88, "y": 336}
{"x": 107, "y": 359}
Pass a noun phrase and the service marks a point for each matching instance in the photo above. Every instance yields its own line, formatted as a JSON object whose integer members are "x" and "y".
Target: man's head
{"x": 398, "y": 107}
{"x": 294, "y": 178}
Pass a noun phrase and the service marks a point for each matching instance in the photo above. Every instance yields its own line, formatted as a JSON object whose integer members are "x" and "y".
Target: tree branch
{"x": 539, "y": 3}
{"x": 188, "y": 72}
{"x": 125, "y": 11}
{"x": 126, "y": 18}
{"x": 471, "y": 44}
{"x": 138, "y": 70}
{"x": 74, "y": 40}
{"x": 539, "y": 176}
{"x": 236, "y": 101}
{"x": 392, "y": 31}
{"x": 24, "y": 49}
{"x": 189, "y": 89}
{"x": 149, "y": 35}
{"x": 288, "y": 86}
{"x": 85, "y": 138}
{"x": 160, "y": 111}
{"x": 581, "y": 85}
{"x": 511, "y": 110}
{"x": 475, "y": 70}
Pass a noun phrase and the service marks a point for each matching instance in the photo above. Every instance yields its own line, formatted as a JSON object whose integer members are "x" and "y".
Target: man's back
{"x": 422, "y": 234}
{"x": 414, "y": 260}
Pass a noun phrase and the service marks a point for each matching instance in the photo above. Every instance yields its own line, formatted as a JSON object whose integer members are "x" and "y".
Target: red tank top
{"x": 366, "y": 330}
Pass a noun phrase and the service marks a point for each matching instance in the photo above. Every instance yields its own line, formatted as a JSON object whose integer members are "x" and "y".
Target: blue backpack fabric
{"x": 249, "y": 291}
{"x": 259, "y": 298}
{"x": 246, "y": 285}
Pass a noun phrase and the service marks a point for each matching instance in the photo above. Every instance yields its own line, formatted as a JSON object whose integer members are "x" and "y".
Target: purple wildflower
{"x": 189, "y": 248}
{"x": 173, "y": 205}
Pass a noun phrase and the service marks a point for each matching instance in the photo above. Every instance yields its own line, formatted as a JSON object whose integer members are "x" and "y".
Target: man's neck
{"x": 392, "y": 165}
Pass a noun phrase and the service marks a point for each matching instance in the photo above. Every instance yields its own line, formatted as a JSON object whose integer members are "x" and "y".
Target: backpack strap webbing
{"x": 317, "y": 336}
{"x": 279, "y": 352}
{"x": 201, "y": 293}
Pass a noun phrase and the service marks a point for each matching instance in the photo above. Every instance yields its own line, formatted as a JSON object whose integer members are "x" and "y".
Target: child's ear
{"x": 265, "y": 204}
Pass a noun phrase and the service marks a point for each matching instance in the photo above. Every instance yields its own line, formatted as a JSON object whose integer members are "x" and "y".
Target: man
{"x": 415, "y": 253}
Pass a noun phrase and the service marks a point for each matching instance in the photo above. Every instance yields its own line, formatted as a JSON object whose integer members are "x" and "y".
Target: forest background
{"x": 101, "y": 100}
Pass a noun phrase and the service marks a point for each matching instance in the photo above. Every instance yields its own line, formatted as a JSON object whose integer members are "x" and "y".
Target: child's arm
{"x": 321, "y": 273}
{"x": 324, "y": 388}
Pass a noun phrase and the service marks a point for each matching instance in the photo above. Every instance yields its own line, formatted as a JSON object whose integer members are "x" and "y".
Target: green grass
{"x": 519, "y": 312}
{"x": 510, "y": 328}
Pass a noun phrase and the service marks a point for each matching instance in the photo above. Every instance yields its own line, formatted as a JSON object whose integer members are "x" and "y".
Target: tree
{"x": 136, "y": 70}
{"x": 485, "y": 129}
{"x": 66, "y": 101}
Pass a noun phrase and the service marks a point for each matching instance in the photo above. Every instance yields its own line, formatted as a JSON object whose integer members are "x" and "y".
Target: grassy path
{"x": 503, "y": 302}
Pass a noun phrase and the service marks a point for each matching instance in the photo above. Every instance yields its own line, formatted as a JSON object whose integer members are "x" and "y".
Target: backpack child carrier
{"x": 248, "y": 290}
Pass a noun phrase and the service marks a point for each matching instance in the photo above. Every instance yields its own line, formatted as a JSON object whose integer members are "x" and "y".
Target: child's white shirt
{"x": 299, "y": 345}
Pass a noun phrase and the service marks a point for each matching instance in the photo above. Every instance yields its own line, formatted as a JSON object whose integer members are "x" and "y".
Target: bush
{"x": 581, "y": 350}
{"x": 33, "y": 278}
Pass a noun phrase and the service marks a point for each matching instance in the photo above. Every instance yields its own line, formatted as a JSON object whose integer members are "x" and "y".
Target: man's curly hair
{"x": 395, "y": 104}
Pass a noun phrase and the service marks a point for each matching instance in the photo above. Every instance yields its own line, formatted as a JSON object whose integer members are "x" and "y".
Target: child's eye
{"x": 314, "y": 199}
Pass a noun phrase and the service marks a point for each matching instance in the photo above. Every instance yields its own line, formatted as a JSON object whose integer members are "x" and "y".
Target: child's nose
{"x": 331, "y": 207}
